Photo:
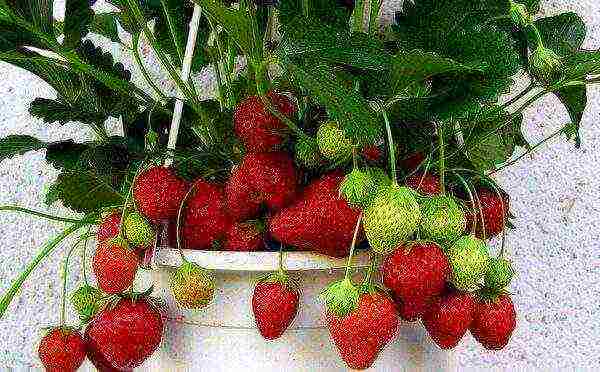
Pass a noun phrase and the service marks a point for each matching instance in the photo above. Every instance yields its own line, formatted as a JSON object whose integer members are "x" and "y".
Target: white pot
{"x": 224, "y": 337}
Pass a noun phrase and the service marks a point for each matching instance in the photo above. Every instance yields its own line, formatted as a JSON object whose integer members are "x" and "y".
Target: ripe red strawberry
{"x": 115, "y": 266}
{"x": 268, "y": 178}
{"x": 62, "y": 350}
{"x": 411, "y": 309}
{"x": 372, "y": 153}
{"x": 361, "y": 335}
{"x": 158, "y": 193}
{"x": 426, "y": 184}
{"x": 123, "y": 336}
{"x": 412, "y": 161}
{"x": 493, "y": 214}
{"x": 244, "y": 237}
{"x": 275, "y": 305}
{"x": 205, "y": 219}
{"x": 320, "y": 220}
{"x": 494, "y": 321}
{"x": 416, "y": 273}
{"x": 448, "y": 318}
{"x": 258, "y": 129}
{"x": 109, "y": 227}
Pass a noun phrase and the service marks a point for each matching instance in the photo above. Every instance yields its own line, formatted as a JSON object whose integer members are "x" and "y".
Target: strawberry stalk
{"x": 178, "y": 223}
{"x": 46, "y": 251}
{"x": 352, "y": 248}
{"x": 442, "y": 159}
{"x": 65, "y": 275}
{"x": 471, "y": 198}
{"x": 284, "y": 119}
{"x": 392, "y": 150}
{"x": 15, "y": 208}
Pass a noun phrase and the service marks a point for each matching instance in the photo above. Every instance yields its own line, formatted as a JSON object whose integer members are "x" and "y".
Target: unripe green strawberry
{"x": 138, "y": 230}
{"x": 443, "y": 220}
{"x": 499, "y": 274}
{"x": 86, "y": 301}
{"x": 193, "y": 286}
{"x": 469, "y": 259}
{"x": 544, "y": 64}
{"x": 333, "y": 143}
{"x": 358, "y": 187}
{"x": 307, "y": 152}
{"x": 392, "y": 218}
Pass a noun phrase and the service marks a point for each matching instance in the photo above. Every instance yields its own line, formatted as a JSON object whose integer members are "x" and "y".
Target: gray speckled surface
{"x": 555, "y": 245}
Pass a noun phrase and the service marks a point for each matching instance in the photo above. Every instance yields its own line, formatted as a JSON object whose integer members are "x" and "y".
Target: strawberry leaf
{"x": 344, "y": 105}
{"x": 564, "y": 33}
{"x": 14, "y": 145}
{"x": 575, "y": 100}
{"x": 312, "y": 41}
{"x": 582, "y": 64}
{"x": 83, "y": 191}
{"x": 78, "y": 16}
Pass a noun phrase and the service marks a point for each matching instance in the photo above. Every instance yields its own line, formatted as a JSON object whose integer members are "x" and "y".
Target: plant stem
{"x": 518, "y": 96}
{"x": 48, "y": 248}
{"x": 533, "y": 148}
{"x": 374, "y": 16}
{"x": 65, "y": 275}
{"x": 38, "y": 214}
{"x": 163, "y": 58}
{"x": 281, "y": 270}
{"x": 145, "y": 74}
{"x": 471, "y": 198}
{"x": 84, "y": 257}
{"x": 442, "y": 159}
{"x": 392, "y": 150}
{"x": 353, "y": 246}
{"x": 374, "y": 261}
{"x": 178, "y": 223}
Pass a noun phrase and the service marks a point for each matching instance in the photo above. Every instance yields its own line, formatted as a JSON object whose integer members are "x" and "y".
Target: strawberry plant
{"x": 326, "y": 130}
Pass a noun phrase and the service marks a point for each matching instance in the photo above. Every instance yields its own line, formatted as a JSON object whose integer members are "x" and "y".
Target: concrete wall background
{"x": 555, "y": 196}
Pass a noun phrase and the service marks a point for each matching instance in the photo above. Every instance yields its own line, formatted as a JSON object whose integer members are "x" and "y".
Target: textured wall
{"x": 554, "y": 193}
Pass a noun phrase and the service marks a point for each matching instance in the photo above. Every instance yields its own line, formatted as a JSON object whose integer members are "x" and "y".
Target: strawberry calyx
{"x": 490, "y": 295}
{"x": 341, "y": 297}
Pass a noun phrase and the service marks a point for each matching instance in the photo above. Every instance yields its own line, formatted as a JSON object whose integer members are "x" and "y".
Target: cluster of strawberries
{"x": 438, "y": 280}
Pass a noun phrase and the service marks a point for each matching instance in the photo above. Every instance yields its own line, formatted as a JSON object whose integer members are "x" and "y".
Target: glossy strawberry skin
{"x": 320, "y": 220}
{"x": 416, "y": 273}
{"x": 494, "y": 322}
{"x": 361, "y": 335}
{"x": 259, "y": 130}
{"x": 244, "y": 237}
{"x": 411, "y": 309}
{"x": 109, "y": 227}
{"x": 115, "y": 267}
{"x": 448, "y": 318}
{"x": 275, "y": 306}
{"x": 205, "y": 218}
{"x": 493, "y": 214}
{"x": 158, "y": 193}
{"x": 413, "y": 161}
{"x": 426, "y": 184}
{"x": 268, "y": 178}
{"x": 62, "y": 350}
{"x": 123, "y": 336}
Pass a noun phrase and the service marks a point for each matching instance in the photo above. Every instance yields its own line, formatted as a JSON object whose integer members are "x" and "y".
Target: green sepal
{"x": 341, "y": 297}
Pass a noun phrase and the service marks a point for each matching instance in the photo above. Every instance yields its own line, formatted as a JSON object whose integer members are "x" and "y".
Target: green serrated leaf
{"x": 415, "y": 66}
{"x": 237, "y": 23}
{"x": 582, "y": 64}
{"x": 575, "y": 100}
{"x": 82, "y": 191}
{"x": 78, "y": 16}
{"x": 312, "y": 41}
{"x": 65, "y": 154}
{"x": 105, "y": 24}
{"x": 14, "y": 145}
{"x": 344, "y": 105}
{"x": 564, "y": 33}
